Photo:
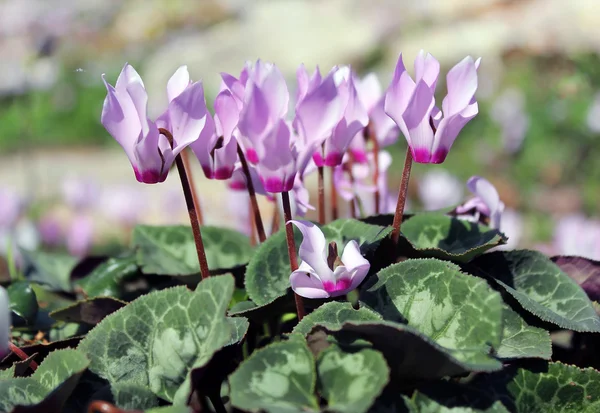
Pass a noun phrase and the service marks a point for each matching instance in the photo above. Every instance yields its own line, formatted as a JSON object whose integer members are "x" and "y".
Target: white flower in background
{"x": 508, "y": 111}
{"x": 486, "y": 203}
{"x": 80, "y": 193}
{"x": 576, "y": 235}
{"x": 439, "y": 189}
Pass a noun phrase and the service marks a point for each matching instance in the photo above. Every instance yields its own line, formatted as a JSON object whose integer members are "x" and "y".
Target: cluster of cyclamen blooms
{"x": 336, "y": 115}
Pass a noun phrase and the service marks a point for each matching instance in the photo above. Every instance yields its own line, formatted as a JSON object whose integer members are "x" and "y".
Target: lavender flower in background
{"x": 511, "y": 225}
{"x": 12, "y": 206}
{"x": 485, "y": 206}
{"x": 50, "y": 230}
{"x": 593, "y": 115}
{"x": 508, "y": 111}
{"x": 80, "y": 236}
{"x": 80, "y": 193}
{"x": 577, "y": 235}
{"x": 238, "y": 205}
{"x": 5, "y": 320}
{"x": 430, "y": 132}
{"x": 323, "y": 273}
{"x": 124, "y": 204}
{"x": 439, "y": 189}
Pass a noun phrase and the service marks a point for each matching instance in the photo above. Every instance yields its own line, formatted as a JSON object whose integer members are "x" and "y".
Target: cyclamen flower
{"x": 354, "y": 119}
{"x": 577, "y": 235}
{"x": 381, "y": 125}
{"x": 430, "y": 132}
{"x": 80, "y": 193}
{"x": 124, "y": 116}
{"x": 439, "y": 189}
{"x": 486, "y": 203}
{"x": 323, "y": 273}
{"x": 4, "y": 323}
{"x": 80, "y": 236}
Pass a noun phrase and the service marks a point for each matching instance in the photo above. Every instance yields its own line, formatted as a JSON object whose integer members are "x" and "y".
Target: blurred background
{"x": 65, "y": 184}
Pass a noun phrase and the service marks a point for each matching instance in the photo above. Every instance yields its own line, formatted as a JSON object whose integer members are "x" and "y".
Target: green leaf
{"x": 55, "y": 378}
{"x": 169, "y": 409}
{"x": 410, "y": 354}
{"x": 520, "y": 340}
{"x": 350, "y": 382}
{"x": 541, "y": 288}
{"x": 268, "y": 273}
{"x": 157, "y": 339}
{"x": 131, "y": 396}
{"x": 23, "y": 301}
{"x": 8, "y": 373}
{"x": 239, "y": 328}
{"x": 90, "y": 311}
{"x": 458, "y": 311}
{"x": 280, "y": 377}
{"x": 420, "y": 403}
{"x": 441, "y": 236}
{"x": 170, "y": 250}
{"x": 107, "y": 278}
{"x": 50, "y": 269}
{"x": 554, "y": 388}
{"x": 333, "y": 315}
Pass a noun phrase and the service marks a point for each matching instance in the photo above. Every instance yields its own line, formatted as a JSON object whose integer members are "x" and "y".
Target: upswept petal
{"x": 119, "y": 117}
{"x": 178, "y": 82}
{"x": 235, "y": 86}
{"x": 277, "y": 169}
{"x": 462, "y": 84}
{"x": 427, "y": 68}
{"x": 306, "y": 283}
{"x": 227, "y": 114}
{"x": 4, "y": 323}
{"x": 272, "y": 84}
{"x": 355, "y": 263}
{"x": 369, "y": 91}
{"x": 386, "y": 130}
{"x": 255, "y": 120}
{"x": 398, "y": 95}
{"x": 188, "y": 116}
{"x": 306, "y": 84}
{"x": 301, "y": 197}
{"x": 313, "y": 249}
{"x": 127, "y": 77}
{"x": 448, "y": 130}
{"x": 416, "y": 118}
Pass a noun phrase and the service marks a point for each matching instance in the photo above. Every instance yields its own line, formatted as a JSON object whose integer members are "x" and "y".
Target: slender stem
{"x": 186, "y": 164}
{"x": 276, "y": 219}
{"x": 189, "y": 201}
{"x": 351, "y": 205}
{"x": 349, "y": 170}
{"x": 333, "y": 197}
{"x": 22, "y": 355}
{"x": 257, "y": 218}
{"x": 373, "y": 139}
{"x": 217, "y": 403}
{"x": 291, "y": 244}
{"x": 401, "y": 197}
{"x": 321, "y": 187}
{"x": 253, "y": 234}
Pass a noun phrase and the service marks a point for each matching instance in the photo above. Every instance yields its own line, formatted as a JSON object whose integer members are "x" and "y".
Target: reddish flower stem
{"x": 333, "y": 197}
{"x": 321, "y": 188}
{"x": 188, "y": 168}
{"x": 351, "y": 203}
{"x": 253, "y": 235}
{"x": 250, "y": 185}
{"x": 276, "y": 219}
{"x": 291, "y": 246}
{"x": 22, "y": 355}
{"x": 373, "y": 138}
{"x": 191, "y": 208}
{"x": 402, "y": 197}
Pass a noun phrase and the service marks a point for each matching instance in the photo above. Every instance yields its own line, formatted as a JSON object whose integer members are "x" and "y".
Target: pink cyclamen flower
{"x": 323, "y": 273}
{"x": 439, "y": 189}
{"x": 80, "y": 193}
{"x": 12, "y": 206}
{"x": 430, "y": 132}
{"x": 382, "y": 126}
{"x": 124, "y": 116}
{"x": 216, "y": 148}
{"x": 486, "y": 202}
{"x": 4, "y": 323}
{"x": 266, "y": 137}
{"x": 353, "y": 120}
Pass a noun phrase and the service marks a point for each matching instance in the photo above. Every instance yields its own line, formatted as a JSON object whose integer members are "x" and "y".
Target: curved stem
{"x": 333, "y": 197}
{"x": 291, "y": 247}
{"x": 189, "y": 201}
{"x": 186, "y": 164}
{"x": 250, "y": 185}
{"x": 402, "y": 197}
{"x": 22, "y": 355}
{"x": 321, "y": 189}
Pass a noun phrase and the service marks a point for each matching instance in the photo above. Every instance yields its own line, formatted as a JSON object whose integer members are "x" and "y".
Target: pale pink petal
{"x": 369, "y": 91}
{"x": 416, "y": 118}
{"x": 313, "y": 249}
{"x": 462, "y": 84}
{"x": 398, "y": 95}
{"x": 355, "y": 263}
{"x": 178, "y": 82}
{"x": 427, "y": 68}
{"x": 386, "y": 130}
{"x": 484, "y": 190}
{"x": 227, "y": 113}
{"x": 306, "y": 283}
{"x": 277, "y": 168}
{"x": 5, "y": 321}
{"x": 188, "y": 116}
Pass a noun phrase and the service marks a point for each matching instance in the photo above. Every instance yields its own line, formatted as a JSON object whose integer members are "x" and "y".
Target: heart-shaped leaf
{"x": 584, "y": 271}
{"x": 132, "y": 396}
{"x": 441, "y": 236}
{"x": 23, "y": 301}
{"x": 540, "y": 287}
{"x": 350, "y": 382}
{"x": 333, "y": 315}
{"x": 458, "y": 311}
{"x": 520, "y": 340}
{"x": 171, "y": 250}
{"x": 90, "y": 311}
{"x": 157, "y": 339}
{"x": 50, "y": 269}
{"x": 268, "y": 273}
{"x": 107, "y": 278}
{"x": 51, "y": 384}
{"x": 280, "y": 377}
